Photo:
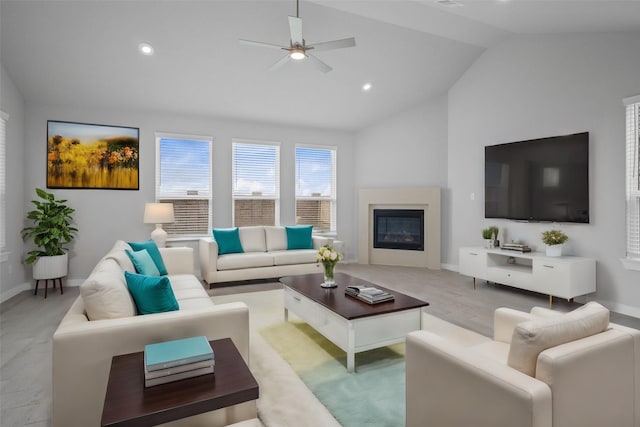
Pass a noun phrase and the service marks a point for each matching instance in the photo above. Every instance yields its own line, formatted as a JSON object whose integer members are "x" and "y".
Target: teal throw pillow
{"x": 143, "y": 263}
{"x": 299, "y": 237}
{"x": 151, "y": 294}
{"x": 228, "y": 240}
{"x": 154, "y": 252}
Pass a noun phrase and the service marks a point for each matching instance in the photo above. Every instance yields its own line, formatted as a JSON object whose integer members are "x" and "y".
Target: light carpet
{"x": 285, "y": 400}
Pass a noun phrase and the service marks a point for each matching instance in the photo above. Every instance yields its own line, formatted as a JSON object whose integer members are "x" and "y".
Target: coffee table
{"x": 349, "y": 323}
{"x": 129, "y": 403}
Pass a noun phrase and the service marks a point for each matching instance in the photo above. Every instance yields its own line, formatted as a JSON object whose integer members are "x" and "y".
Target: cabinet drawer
{"x": 519, "y": 278}
{"x": 552, "y": 277}
{"x": 473, "y": 263}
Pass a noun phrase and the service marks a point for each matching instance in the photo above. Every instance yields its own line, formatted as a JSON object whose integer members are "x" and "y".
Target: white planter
{"x": 554, "y": 250}
{"x": 50, "y": 267}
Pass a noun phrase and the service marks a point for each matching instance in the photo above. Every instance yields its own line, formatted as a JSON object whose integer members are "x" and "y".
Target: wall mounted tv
{"x": 543, "y": 179}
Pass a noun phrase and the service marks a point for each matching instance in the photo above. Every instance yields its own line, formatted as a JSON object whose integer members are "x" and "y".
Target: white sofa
{"x": 588, "y": 382}
{"x": 265, "y": 256}
{"x": 83, "y": 348}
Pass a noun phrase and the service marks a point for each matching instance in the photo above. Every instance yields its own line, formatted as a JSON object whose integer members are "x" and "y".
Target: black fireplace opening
{"x": 398, "y": 229}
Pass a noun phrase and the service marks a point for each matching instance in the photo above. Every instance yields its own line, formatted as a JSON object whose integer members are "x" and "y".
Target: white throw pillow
{"x": 252, "y": 239}
{"x": 276, "y": 238}
{"x": 534, "y": 336}
{"x": 105, "y": 294}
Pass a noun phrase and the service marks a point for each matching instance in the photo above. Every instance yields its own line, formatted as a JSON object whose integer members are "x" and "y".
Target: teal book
{"x": 168, "y": 354}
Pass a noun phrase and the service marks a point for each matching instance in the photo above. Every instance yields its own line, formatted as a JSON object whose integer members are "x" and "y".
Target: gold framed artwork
{"x": 91, "y": 156}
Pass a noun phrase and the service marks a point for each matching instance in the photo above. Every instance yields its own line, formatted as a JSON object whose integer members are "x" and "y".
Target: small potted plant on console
{"x": 490, "y": 236}
{"x": 554, "y": 239}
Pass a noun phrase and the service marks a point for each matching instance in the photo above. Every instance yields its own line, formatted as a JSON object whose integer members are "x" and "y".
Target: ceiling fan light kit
{"x": 298, "y": 49}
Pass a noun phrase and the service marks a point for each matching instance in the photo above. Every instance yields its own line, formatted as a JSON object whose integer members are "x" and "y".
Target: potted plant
{"x": 490, "y": 236}
{"x": 554, "y": 239}
{"x": 51, "y": 230}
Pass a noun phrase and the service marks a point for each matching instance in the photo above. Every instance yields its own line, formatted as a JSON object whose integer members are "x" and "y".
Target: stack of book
{"x": 176, "y": 360}
{"x": 516, "y": 247}
{"x": 368, "y": 294}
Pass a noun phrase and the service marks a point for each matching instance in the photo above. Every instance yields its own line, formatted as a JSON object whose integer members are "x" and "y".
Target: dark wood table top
{"x": 129, "y": 403}
{"x": 344, "y": 305}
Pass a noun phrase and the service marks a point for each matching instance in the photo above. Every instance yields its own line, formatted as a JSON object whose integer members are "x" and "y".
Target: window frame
{"x": 277, "y": 186}
{"x": 333, "y": 198}
{"x": 4, "y": 119}
{"x": 632, "y": 182}
{"x": 160, "y": 197}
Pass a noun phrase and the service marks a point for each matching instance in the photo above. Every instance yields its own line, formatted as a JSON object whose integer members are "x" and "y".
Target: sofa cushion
{"x": 532, "y": 337}
{"x": 153, "y": 250}
{"x": 299, "y": 237}
{"x": 252, "y": 239}
{"x": 117, "y": 253}
{"x": 142, "y": 262}
{"x": 105, "y": 294}
{"x": 298, "y": 256}
{"x": 246, "y": 260}
{"x": 276, "y": 238}
{"x": 151, "y": 294}
{"x": 228, "y": 240}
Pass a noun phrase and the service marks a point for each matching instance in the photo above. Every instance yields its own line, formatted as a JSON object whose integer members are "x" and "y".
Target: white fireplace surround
{"x": 425, "y": 198}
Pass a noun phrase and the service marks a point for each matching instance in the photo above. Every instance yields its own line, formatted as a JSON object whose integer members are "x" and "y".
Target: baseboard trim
{"x": 450, "y": 267}
{"x": 627, "y": 310}
{"x": 29, "y": 286}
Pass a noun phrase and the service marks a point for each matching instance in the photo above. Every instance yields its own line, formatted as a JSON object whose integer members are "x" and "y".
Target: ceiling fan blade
{"x": 319, "y": 64}
{"x": 260, "y": 44}
{"x": 280, "y": 63}
{"x": 295, "y": 27}
{"x": 336, "y": 44}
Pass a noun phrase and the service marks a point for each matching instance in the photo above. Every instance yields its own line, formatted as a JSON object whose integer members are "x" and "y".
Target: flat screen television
{"x": 543, "y": 179}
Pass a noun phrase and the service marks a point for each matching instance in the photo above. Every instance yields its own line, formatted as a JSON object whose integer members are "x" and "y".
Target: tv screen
{"x": 543, "y": 179}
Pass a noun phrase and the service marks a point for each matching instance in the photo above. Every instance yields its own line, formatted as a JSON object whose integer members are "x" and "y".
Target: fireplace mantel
{"x": 425, "y": 198}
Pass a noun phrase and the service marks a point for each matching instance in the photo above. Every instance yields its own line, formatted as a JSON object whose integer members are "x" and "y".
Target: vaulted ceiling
{"x": 85, "y": 53}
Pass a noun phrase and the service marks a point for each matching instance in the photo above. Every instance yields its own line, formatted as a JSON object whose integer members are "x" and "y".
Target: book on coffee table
{"x": 178, "y": 369}
{"x": 368, "y": 294}
{"x": 170, "y": 354}
{"x": 150, "y": 382}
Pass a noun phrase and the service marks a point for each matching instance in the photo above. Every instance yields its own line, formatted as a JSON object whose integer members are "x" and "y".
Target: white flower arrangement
{"x": 327, "y": 254}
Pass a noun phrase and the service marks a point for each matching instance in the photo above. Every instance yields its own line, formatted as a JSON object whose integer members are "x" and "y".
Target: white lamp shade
{"x": 158, "y": 213}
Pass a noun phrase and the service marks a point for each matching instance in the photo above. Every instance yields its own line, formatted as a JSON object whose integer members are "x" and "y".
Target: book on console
{"x": 169, "y": 354}
{"x": 368, "y": 294}
{"x": 150, "y": 382}
{"x": 178, "y": 369}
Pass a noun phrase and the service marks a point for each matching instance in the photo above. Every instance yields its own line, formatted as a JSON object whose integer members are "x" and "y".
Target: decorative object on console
{"x": 329, "y": 257}
{"x": 490, "y": 236}
{"x": 554, "y": 239}
{"x": 51, "y": 230}
{"x": 158, "y": 214}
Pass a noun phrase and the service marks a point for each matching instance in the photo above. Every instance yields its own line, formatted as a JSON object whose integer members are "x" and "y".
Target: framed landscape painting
{"x": 81, "y": 155}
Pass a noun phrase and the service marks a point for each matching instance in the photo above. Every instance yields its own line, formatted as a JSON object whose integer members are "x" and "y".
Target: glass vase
{"x": 329, "y": 281}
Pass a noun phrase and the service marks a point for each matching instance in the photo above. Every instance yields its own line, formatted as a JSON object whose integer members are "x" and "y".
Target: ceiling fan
{"x": 298, "y": 49}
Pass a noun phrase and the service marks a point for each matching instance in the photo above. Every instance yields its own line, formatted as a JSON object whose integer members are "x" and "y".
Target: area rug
{"x": 374, "y": 395}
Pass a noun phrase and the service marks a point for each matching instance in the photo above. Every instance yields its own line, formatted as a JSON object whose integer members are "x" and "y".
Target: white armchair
{"x": 589, "y": 381}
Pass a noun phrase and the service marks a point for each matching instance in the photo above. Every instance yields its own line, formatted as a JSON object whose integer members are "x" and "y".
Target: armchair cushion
{"x": 534, "y": 336}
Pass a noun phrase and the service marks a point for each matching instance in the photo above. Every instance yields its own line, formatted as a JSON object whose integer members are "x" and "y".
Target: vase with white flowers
{"x": 554, "y": 239}
{"x": 329, "y": 257}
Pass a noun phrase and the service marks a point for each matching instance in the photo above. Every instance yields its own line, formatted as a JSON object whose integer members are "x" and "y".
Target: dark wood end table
{"x": 129, "y": 403}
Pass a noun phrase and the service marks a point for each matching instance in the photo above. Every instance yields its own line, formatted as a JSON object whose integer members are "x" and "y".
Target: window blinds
{"x": 633, "y": 176}
{"x": 256, "y": 182}
{"x": 183, "y": 177}
{"x": 316, "y": 187}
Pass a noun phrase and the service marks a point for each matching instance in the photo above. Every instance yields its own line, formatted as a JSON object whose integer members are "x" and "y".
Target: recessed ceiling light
{"x": 367, "y": 87}
{"x": 145, "y": 49}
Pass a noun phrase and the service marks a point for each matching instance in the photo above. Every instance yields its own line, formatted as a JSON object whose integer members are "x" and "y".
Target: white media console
{"x": 563, "y": 277}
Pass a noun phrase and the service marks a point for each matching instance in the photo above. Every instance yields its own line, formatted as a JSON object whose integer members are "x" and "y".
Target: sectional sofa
{"x": 103, "y": 322}
{"x": 266, "y": 252}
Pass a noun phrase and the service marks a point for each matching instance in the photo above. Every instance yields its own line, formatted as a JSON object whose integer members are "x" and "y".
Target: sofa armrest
{"x": 504, "y": 322}
{"x": 592, "y": 380}
{"x": 82, "y": 351}
{"x": 545, "y": 312}
{"x": 208, "y": 252}
{"x": 451, "y": 385}
{"x": 178, "y": 260}
{"x": 320, "y": 241}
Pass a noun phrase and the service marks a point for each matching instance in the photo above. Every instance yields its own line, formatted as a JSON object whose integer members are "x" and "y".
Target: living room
{"x": 538, "y": 82}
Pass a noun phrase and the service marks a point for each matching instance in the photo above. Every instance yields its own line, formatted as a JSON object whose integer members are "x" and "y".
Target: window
{"x": 256, "y": 183}
{"x": 183, "y": 177}
{"x": 316, "y": 187}
{"x": 633, "y": 181}
{"x": 3, "y": 183}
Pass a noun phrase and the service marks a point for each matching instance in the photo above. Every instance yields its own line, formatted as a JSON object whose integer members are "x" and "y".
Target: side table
{"x": 129, "y": 403}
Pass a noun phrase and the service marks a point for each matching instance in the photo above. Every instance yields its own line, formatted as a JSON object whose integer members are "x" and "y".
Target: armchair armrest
{"x": 178, "y": 260}
{"x": 505, "y": 320}
{"x": 545, "y": 312}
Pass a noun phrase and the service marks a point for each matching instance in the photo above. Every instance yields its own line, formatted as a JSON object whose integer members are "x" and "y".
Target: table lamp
{"x": 158, "y": 214}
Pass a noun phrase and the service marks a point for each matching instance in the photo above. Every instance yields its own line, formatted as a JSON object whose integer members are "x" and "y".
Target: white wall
{"x": 103, "y": 216}
{"x": 408, "y": 149}
{"x": 537, "y": 86}
{"x": 12, "y": 272}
